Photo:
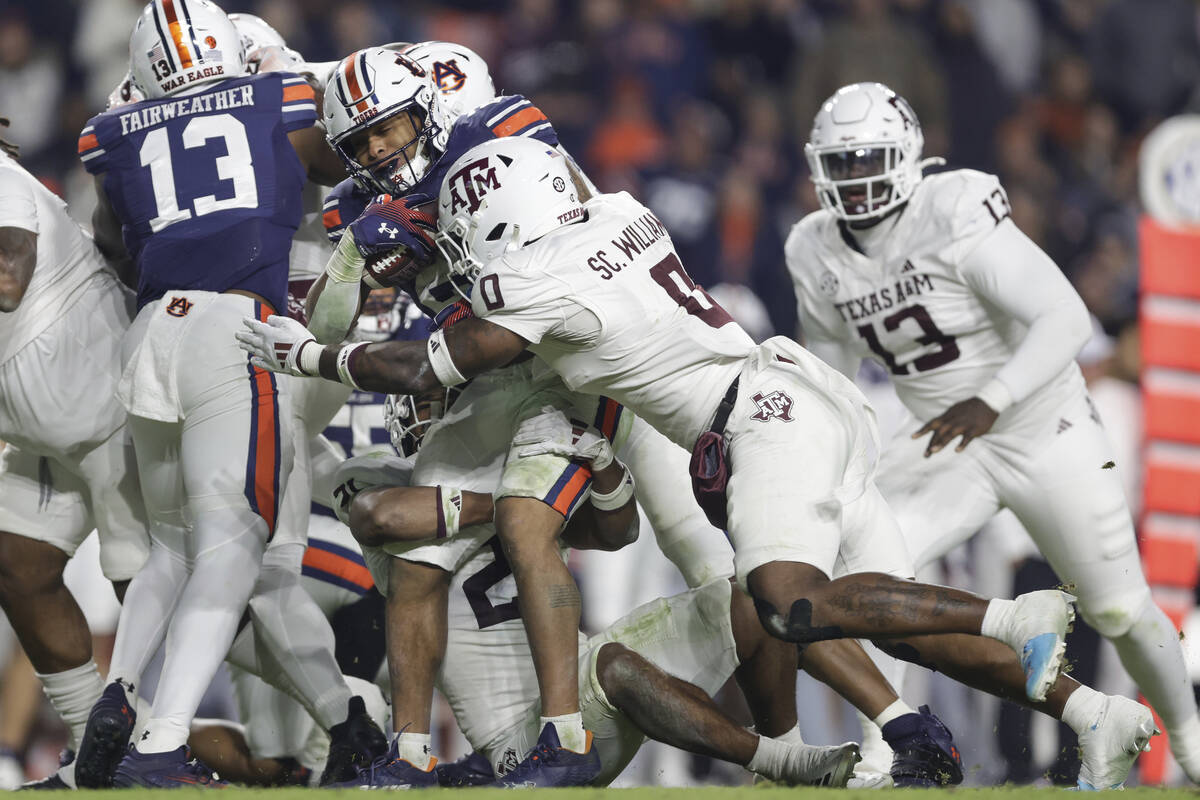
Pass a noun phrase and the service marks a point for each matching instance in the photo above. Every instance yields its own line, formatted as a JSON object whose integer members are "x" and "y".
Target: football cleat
{"x": 390, "y": 771}
{"x": 105, "y": 739}
{"x": 926, "y": 755}
{"x": 353, "y": 744}
{"x": 1111, "y": 743}
{"x": 827, "y": 765}
{"x": 551, "y": 764}
{"x": 870, "y": 780}
{"x": 470, "y": 770}
{"x": 1037, "y": 631}
{"x": 170, "y": 770}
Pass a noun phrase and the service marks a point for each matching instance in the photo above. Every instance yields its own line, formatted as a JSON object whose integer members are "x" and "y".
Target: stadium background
{"x": 701, "y": 108}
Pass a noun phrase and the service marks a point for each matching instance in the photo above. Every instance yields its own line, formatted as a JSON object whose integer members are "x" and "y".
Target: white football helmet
{"x": 864, "y": 152}
{"x": 257, "y": 35}
{"x": 374, "y": 85}
{"x": 460, "y": 74}
{"x": 500, "y": 196}
{"x": 179, "y": 44}
{"x": 407, "y": 417}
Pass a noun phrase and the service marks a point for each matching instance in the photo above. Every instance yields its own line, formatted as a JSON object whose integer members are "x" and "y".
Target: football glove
{"x": 551, "y": 433}
{"x": 281, "y": 344}
{"x": 389, "y": 223}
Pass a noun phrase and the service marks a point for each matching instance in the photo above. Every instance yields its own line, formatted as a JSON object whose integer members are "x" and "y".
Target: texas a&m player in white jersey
{"x": 371, "y": 133}
{"x": 597, "y": 292}
{"x": 69, "y": 466}
{"x": 631, "y": 675}
{"x": 979, "y": 329}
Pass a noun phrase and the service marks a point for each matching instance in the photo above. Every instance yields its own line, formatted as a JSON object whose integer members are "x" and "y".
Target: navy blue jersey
{"x": 505, "y": 116}
{"x": 207, "y": 186}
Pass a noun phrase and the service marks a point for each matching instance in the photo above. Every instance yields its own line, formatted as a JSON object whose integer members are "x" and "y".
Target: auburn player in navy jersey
{"x": 200, "y": 187}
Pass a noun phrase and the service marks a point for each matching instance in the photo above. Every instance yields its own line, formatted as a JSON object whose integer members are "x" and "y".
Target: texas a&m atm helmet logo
{"x": 469, "y": 185}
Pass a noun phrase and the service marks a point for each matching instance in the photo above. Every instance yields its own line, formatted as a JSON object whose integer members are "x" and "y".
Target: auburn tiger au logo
{"x": 179, "y": 306}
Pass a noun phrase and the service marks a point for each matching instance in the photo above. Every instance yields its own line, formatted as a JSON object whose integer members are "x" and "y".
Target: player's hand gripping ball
{"x": 395, "y": 238}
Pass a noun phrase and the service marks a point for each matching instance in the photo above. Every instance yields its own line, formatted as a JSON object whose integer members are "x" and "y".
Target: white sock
{"x": 897, "y": 709}
{"x": 791, "y": 737}
{"x": 570, "y": 730}
{"x": 415, "y": 748}
{"x": 162, "y": 735}
{"x": 73, "y": 692}
{"x": 1081, "y": 708}
{"x": 997, "y": 618}
{"x": 770, "y": 758}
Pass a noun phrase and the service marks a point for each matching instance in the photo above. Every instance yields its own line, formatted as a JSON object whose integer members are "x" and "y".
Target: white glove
{"x": 551, "y": 433}
{"x": 281, "y": 344}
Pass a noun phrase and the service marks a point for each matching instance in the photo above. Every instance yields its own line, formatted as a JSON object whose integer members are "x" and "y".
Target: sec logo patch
{"x": 828, "y": 284}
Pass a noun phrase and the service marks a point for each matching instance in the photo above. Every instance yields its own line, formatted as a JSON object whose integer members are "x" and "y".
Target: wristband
{"x": 996, "y": 395}
{"x": 308, "y": 360}
{"x": 343, "y": 363}
{"x": 439, "y": 359}
{"x": 346, "y": 264}
{"x": 617, "y": 497}
{"x": 449, "y": 511}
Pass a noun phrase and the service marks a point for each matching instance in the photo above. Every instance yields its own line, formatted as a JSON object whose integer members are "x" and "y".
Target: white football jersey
{"x": 606, "y": 303}
{"x": 66, "y": 255}
{"x": 908, "y": 306}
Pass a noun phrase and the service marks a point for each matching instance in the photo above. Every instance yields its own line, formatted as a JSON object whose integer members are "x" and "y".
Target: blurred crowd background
{"x": 701, "y": 109}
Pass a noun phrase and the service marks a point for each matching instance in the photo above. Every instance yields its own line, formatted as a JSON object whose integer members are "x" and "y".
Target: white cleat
{"x": 1112, "y": 742}
{"x": 828, "y": 766}
{"x": 1037, "y": 631}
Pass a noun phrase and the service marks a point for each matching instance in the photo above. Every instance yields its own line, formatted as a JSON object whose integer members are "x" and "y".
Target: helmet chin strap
{"x": 932, "y": 161}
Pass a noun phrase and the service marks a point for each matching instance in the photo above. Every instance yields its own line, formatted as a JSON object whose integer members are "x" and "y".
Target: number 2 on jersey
{"x": 947, "y": 345}
{"x": 236, "y": 165}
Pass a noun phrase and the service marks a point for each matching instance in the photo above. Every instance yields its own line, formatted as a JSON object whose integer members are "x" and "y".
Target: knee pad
{"x": 797, "y": 627}
{"x": 1116, "y": 614}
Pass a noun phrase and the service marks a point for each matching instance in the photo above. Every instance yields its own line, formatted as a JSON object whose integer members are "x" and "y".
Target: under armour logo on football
{"x": 776, "y": 405}
{"x": 388, "y": 229}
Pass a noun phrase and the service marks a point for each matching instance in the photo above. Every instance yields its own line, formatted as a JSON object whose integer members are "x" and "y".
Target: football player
{"x": 202, "y": 182}
{"x": 69, "y": 465}
{"x": 596, "y": 291}
{"x": 399, "y": 120}
{"x": 628, "y": 682}
{"x": 930, "y": 277}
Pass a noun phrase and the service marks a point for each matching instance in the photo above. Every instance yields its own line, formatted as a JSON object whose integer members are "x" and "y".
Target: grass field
{"x": 652, "y": 793}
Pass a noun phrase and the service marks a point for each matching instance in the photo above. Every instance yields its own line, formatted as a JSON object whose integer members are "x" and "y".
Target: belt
{"x": 724, "y": 408}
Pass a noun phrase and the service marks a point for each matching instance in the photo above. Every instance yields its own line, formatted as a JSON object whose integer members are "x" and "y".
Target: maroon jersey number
{"x": 930, "y": 334}
{"x": 679, "y": 286}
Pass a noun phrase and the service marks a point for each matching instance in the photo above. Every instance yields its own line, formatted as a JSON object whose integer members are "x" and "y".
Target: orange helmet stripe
{"x": 185, "y": 57}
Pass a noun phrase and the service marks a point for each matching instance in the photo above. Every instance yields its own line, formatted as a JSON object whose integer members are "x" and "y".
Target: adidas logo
{"x": 1063, "y": 425}
{"x": 908, "y": 267}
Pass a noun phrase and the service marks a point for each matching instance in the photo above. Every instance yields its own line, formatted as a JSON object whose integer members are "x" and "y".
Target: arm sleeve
{"x": 1018, "y": 278}
{"x": 18, "y": 207}
{"x": 299, "y": 103}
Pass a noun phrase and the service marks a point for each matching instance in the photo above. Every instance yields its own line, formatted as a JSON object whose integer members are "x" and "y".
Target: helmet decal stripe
{"x": 168, "y": 50}
{"x": 187, "y": 18}
{"x": 173, "y": 25}
{"x": 354, "y": 93}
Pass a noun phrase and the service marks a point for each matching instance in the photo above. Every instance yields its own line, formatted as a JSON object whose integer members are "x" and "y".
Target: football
{"x": 391, "y": 268}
